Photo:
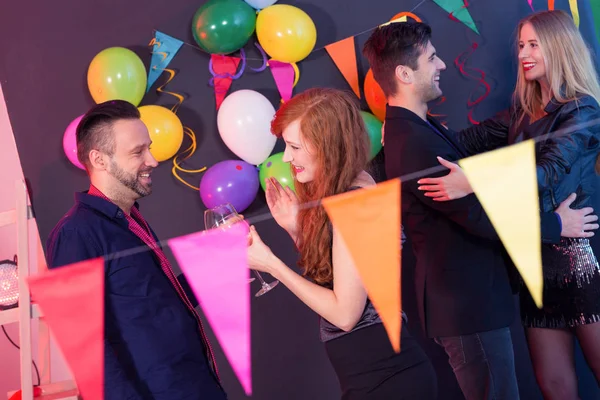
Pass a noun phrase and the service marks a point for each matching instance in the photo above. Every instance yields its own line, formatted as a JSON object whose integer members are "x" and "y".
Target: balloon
{"x": 373, "y": 126}
{"x": 70, "y": 142}
{"x": 260, "y": 4}
{"x": 275, "y": 167}
{"x": 117, "y": 73}
{"x": 223, "y": 26}
{"x": 165, "y": 129}
{"x": 374, "y": 96}
{"x": 244, "y": 122}
{"x": 230, "y": 181}
{"x": 286, "y": 32}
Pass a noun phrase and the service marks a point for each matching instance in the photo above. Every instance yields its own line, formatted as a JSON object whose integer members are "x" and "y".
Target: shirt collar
{"x": 97, "y": 200}
{"x": 394, "y": 112}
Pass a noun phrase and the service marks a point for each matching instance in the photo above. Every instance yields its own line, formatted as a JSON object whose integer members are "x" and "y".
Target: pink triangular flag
{"x": 72, "y": 300}
{"x": 224, "y": 67}
{"x": 216, "y": 266}
{"x": 283, "y": 73}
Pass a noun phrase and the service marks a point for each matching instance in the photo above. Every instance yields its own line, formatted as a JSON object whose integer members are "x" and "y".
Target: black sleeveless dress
{"x": 367, "y": 366}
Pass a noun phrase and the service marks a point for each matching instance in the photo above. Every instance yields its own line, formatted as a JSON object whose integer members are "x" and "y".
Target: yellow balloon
{"x": 165, "y": 129}
{"x": 286, "y": 32}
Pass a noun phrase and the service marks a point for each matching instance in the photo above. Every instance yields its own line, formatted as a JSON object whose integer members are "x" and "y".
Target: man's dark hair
{"x": 399, "y": 43}
{"x": 94, "y": 131}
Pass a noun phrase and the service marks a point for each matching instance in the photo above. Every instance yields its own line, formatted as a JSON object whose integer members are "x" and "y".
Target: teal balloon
{"x": 275, "y": 167}
{"x": 223, "y": 26}
{"x": 373, "y": 126}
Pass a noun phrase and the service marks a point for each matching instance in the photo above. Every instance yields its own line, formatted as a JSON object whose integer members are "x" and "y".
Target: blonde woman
{"x": 556, "y": 98}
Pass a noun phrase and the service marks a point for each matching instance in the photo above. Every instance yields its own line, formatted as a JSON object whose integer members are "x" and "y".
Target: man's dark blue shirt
{"x": 153, "y": 346}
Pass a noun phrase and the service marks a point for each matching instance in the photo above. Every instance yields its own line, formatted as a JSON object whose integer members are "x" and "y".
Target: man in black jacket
{"x": 464, "y": 294}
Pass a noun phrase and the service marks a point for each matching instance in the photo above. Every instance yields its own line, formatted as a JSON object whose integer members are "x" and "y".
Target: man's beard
{"x": 429, "y": 91}
{"x": 129, "y": 180}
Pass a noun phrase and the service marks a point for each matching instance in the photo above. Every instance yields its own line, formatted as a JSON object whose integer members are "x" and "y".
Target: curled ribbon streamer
{"x": 188, "y": 131}
{"x": 460, "y": 62}
{"x": 177, "y": 95}
{"x": 440, "y": 101}
{"x": 171, "y": 73}
{"x": 264, "y": 57}
{"x": 465, "y": 5}
{"x": 211, "y": 82}
{"x": 190, "y": 150}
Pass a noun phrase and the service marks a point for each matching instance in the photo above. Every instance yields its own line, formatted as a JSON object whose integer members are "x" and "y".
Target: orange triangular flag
{"x": 72, "y": 300}
{"x": 369, "y": 222}
{"x": 224, "y": 68}
{"x": 344, "y": 56}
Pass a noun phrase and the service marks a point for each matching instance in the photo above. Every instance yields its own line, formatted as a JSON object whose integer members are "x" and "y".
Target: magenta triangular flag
{"x": 216, "y": 266}
{"x": 283, "y": 73}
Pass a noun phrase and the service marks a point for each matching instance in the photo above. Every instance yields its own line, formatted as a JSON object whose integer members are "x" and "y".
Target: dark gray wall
{"x": 47, "y": 46}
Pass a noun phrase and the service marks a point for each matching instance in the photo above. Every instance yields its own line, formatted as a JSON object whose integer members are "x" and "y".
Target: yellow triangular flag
{"x": 343, "y": 55}
{"x": 401, "y": 19}
{"x": 505, "y": 183}
{"x": 368, "y": 221}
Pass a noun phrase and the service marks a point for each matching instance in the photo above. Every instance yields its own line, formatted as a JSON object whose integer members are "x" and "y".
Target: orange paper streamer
{"x": 188, "y": 131}
{"x": 369, "y": 222}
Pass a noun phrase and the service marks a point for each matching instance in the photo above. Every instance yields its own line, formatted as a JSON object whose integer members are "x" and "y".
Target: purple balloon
{"x": 231, "y": 181}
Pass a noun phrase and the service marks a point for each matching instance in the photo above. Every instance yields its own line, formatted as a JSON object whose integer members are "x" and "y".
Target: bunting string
{"x": 316, "y": 203}
{"x": 314, "y": 50}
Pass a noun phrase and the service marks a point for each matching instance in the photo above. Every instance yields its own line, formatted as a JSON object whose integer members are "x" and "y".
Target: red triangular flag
{"x": 223, "y": 65}
{"x": 284, "y": 74}
{"x": 72, "y": 300}
{"x": 344, "y": 56}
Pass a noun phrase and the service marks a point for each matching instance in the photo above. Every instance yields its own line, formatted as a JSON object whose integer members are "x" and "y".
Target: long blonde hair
{"x": 331, "y": 122}
{"x": 569, "y": 67}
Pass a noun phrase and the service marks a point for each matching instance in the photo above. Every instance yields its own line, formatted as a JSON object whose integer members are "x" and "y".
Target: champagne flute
{"x": 223, "y": 216}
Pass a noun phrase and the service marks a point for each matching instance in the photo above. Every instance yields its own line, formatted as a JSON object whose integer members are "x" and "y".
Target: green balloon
{"x": 275, "y": 167}
{"x": 223, "y": 26}
{"x": 373, "y": 126}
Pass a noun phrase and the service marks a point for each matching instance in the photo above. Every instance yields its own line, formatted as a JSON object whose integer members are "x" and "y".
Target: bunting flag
{"x": 224, "y": 67}
{"x": 343, "y": 55}
{"x": 216, "y": 267}
{"x": 574, "y": 11}
{"x": 165, "y": 47}
{"x": 530, "y": 2}
{"x": 368, "y": 221}
{"x": 284, "y": 75}
{"x": 505, "y": 183}
{"x": 457, "y": 10}
{"x": 550, "y": 5}
{"x": 72, "y": 300}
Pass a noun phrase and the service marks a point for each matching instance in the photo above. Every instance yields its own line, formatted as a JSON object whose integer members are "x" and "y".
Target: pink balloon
{"x": 70, "y": 142}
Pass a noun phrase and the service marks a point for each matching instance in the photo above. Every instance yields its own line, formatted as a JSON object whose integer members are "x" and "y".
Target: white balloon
{"x": 260, "y": 4}
{"x": 244, "y": 122}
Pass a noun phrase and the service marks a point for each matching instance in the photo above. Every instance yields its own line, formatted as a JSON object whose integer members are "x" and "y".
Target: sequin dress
{"x": 571, "y": 287}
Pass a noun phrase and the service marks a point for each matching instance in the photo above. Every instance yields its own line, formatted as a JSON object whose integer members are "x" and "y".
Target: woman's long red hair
{"x": 331, "y": 123}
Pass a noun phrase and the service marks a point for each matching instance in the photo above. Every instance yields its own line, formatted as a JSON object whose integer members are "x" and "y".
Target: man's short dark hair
{"x": 95, "y": 128}
{"x": 399, "y": 43}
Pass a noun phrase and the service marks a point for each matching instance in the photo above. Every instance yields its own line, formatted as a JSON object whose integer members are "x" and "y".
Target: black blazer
{"x": 565, "y": 161}
{"x": 462, "y": 280}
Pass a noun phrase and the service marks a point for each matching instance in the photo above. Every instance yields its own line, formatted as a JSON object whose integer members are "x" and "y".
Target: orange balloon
{"x": 406, "y": 14}
{"x": 375, "y": 97}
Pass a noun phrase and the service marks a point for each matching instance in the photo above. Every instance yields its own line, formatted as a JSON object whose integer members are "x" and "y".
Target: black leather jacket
{"x": 566, "y": 151}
